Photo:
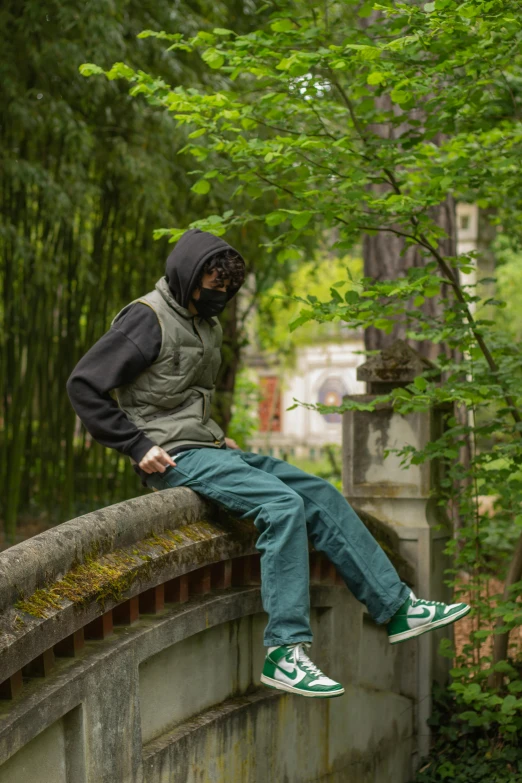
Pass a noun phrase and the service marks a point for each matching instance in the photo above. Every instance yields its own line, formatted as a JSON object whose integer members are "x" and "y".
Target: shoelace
{"x": 432, "y": 603}
{"x": 305, "y": 661}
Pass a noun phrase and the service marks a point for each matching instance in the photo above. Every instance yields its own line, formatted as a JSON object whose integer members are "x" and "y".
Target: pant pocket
{"x": 163, "y": 480}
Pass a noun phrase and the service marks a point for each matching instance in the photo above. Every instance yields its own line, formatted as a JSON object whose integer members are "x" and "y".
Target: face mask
{"x": 210, "y": 302}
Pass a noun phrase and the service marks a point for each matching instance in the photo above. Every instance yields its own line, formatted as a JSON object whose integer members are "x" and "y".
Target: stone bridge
{"x": 131, "y": 641}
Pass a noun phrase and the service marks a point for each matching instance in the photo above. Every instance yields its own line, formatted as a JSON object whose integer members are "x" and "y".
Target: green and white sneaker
{"x": 417, "y": 616}
{"x": 289, "y": 668}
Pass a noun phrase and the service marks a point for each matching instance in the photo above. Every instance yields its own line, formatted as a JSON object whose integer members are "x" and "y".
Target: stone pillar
{"x": 402, "y": 498}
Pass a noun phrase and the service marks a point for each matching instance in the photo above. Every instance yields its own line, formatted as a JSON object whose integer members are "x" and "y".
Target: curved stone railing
{"x": 131, "y": 648}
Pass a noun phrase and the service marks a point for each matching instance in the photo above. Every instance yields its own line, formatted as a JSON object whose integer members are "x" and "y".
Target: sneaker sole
{"x": 281, "y": 686}
{"x": 401, "y": 637}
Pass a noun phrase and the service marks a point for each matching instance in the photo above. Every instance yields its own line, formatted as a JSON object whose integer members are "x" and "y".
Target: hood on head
{"x": 185, "y": 261}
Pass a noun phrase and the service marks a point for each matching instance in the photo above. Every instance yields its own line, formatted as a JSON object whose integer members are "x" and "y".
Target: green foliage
{"x": 245, "y": 419}
{"x": 304, "y": 91}
{"x": 278, "y": 312}
{"x": 88, "y": 173}
{"x": 464, "y": 751}
{"x": 509, "y": 284}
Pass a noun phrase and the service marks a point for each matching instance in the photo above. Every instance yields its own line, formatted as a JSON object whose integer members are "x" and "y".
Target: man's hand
{"x": 231, "y": 444}
{"x": 155, "y": 460}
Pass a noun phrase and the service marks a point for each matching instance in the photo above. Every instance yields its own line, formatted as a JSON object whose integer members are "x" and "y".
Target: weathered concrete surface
{"x": 145, "y": 564}
{"x": 48, "y": 556}
{"x": 203, "y": 721}
{"x": 253, "y": 740}
{"x": 393, "y": 367}
{"x": 167, "y": 683}
{"x": 42, "y": 759}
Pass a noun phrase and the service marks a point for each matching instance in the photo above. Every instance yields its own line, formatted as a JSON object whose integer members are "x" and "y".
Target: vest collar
{"x": 163, "y": 287}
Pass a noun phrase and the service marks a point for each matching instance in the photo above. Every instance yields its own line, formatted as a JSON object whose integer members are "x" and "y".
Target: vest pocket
{"x": 161, "y": 413}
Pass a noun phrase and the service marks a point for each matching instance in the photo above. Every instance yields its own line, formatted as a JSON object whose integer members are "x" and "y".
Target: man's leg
{"x": 278, "y": 514}
{"x": 335, "y": 529}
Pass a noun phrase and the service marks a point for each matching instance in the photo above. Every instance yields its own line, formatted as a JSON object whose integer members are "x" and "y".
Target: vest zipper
{"x": 200, "y": 337}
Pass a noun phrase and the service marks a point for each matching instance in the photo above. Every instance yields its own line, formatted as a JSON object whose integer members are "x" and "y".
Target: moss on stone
{"x": 165, "y": 541}
{"x": 39, "y": 603}
{"x": 108, "y": 576}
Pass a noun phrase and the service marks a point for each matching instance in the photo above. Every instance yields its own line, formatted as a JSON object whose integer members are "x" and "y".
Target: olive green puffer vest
{"x": 170, "y": 401}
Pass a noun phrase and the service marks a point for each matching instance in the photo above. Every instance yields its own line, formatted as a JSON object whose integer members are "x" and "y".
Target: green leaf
{"x": 301, "y": 220}
{"x": 400, "y": 96}
{"x": 275, "y": 218}
{"x": 283, "y": 26}
{"x": 213, "y": 58}
{"x": 385, "y": 324}
{"x": 351, "y": 297}
{"x": 508, "y": 704}
{"x": 298, "y": 322}
{"x": 504, "y": 667}
{"x": 481, "y": 634}
{"x": 366, "y": 52}
{"x": 285, "y": 63}
{"x": 376, "y": 78}
{"x": 201, "y": 186}
{"x": 89, "y": 69}
{"x": 223, "y": 31}
{"x": 120, "y": 71}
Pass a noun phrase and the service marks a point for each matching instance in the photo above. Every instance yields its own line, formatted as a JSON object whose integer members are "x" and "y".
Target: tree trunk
{"x": 385, "y": 258}
{"x": 226, "y": 380}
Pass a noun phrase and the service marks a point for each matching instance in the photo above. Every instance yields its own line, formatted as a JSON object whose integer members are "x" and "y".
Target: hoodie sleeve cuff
{"x": 140, "y": 448}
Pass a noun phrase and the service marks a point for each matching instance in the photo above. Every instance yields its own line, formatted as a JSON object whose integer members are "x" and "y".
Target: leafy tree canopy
{"x": 305, "y": 122}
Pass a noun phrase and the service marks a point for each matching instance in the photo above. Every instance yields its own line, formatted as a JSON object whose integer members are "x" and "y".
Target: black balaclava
{"x": 184, "y": 264}
{"x": 210, "y": 302}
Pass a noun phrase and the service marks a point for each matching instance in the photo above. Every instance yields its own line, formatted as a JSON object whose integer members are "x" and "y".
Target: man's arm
{"x": 119, "y": 356}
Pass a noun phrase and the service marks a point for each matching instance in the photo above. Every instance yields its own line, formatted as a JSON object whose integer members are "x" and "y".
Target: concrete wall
{"x": 153, "y": 707}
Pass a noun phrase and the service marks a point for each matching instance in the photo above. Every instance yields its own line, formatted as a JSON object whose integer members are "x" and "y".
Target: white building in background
{"x": 323, "y": 373}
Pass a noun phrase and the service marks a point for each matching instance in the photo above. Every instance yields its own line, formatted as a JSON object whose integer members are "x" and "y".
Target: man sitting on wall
{"x": 161, "y": 356}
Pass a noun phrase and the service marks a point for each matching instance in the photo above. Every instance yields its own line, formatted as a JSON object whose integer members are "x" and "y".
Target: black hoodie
{"x": 184, "y": 263}
{"x": 130, "y": 346}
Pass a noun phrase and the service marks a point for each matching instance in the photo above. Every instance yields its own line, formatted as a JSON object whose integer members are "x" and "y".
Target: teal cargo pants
{"x": 288, "y": 505}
